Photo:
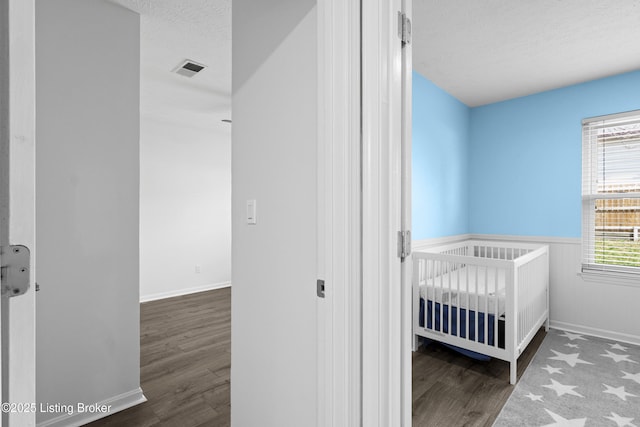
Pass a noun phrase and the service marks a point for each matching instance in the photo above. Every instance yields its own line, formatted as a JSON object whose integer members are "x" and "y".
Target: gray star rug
{"x": 577, "y": 380}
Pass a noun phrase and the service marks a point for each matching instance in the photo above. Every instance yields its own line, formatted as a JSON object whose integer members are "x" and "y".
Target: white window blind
{"x": 611, "y": 193}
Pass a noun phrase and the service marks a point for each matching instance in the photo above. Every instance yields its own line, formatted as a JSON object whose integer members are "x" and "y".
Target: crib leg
{"x": 513, "y": 372}
{"x": 416, "y": 342}
{"x": 546, "y": 325}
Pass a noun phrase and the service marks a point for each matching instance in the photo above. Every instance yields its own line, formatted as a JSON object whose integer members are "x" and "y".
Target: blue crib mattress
{"x": 444, "y": 328}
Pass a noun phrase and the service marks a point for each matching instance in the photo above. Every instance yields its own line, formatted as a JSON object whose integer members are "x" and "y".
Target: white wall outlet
{"x": 251, "y": 212}
{"x": 197, "y": 269}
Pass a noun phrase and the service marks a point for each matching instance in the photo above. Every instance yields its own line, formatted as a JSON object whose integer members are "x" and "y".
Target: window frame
{"x": 624, "y": 275}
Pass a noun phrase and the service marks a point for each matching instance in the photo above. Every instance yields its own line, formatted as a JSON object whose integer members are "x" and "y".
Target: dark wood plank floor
{"x": 185, "y": 346}
{"x": 452, "y": 390}
{"x": 185, "y": 360}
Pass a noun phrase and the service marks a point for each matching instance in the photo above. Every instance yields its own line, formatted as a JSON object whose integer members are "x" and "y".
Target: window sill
{"x": 611, "y": 277}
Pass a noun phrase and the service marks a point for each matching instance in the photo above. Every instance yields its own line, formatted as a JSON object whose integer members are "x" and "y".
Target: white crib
{"x": 488, "y": 297}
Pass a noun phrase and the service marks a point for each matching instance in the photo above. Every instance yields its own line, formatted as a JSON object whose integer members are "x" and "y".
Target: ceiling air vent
{"x": 189, "y": 68}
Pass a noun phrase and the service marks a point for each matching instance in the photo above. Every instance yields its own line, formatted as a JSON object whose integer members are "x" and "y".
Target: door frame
{"x": 17, "y": 202}
{"x": 363, "y": 350}
{"x": 406, "y": 221}
{"x": 339, "y": 214}
{"x": 382, "y": 172}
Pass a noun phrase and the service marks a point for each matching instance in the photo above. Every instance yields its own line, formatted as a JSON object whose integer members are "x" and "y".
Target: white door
{"x": 17, "y": 209}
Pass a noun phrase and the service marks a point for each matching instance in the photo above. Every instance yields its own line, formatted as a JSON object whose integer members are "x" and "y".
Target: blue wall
{"x": 512, "y": 167}
{"x": 439, "y": 162}
{"x": 525, "y": 162}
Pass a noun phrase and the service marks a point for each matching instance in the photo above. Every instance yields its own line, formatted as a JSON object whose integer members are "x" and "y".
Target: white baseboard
{"x": 186, "y": 291}
{"x": 595, "y": 332}
{"x": 116, "y": 404}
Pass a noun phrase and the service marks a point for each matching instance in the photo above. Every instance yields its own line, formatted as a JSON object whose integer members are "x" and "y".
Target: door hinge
{"x": 16, "y": 260}
{"x": 404, "y": 244}
{"x": 404, "y": 28}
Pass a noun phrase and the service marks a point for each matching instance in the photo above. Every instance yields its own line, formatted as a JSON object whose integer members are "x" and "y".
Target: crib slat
{"x": 524, "y": 294}
{"x": 433, "y": 297}
{"x": 529, "y": 302}
{"x": 496, "y": 313}
{"x": 521, "y": 281}
{"x": 425, "y": 266}
{"x": 486, "y": 305}
{"x": 417, "y": 280}
{"x": 426, "y": 291}
{"x": 458, "y": 274}
{"x": 477, "y": 307}
{"x": 449, "y": 314}
{"x": 525, "y": 298}
{"x": 468, "y": 335}
{"x": 522, "y": 307}
{"x": 442, "y": 266}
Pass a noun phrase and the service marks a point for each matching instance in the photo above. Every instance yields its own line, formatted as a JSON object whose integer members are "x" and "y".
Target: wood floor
{"x": 185, "y": 360}
{"x": 450, "y": 389}
{"x": 185, "y": 346}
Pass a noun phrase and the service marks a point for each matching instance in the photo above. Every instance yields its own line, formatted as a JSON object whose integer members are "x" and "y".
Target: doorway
{"x": 104, "y": 168}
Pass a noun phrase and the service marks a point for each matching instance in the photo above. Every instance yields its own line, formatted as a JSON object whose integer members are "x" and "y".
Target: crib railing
{"x": 441, "y": 268}
{"x": 496, "y": 252}
{"x": 463, "y": 298}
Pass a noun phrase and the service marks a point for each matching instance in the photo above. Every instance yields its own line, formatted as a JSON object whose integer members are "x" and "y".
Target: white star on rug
{"x": 534, "y": 397}
{"x": 618, "y": 391}
{"x": 552, "y": 370}
{"x": 617, "y": 357}
{"x": 621, "y": 421}
{"x": 563, "y": 422}
{"x": 617, "y": 346}
{"x": 571, "y": 359}
{"x": 572, "y": 345}
{"x": 632, "y": 377}
{"x": 562, "y": 389}
{"x": 573, "y": 336}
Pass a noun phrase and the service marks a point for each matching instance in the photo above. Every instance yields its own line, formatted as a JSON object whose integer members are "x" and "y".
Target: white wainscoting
{"x": 607, "y": 310}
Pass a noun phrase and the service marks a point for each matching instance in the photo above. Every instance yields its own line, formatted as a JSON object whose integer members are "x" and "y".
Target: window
{"x": 611, "y": 193}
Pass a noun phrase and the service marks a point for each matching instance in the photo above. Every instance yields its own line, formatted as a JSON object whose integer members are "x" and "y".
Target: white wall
{"x": 274, "y": 339}
{"x": 606, "y": 310}
{"x": 87, "y": 190}
{"x": 185, "y": 207}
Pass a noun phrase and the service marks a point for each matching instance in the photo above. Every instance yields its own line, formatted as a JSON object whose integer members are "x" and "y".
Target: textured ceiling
{"x": 485, "y": 51}
{"x": 175, "y": 30}
{"x": 479, "y": 51}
